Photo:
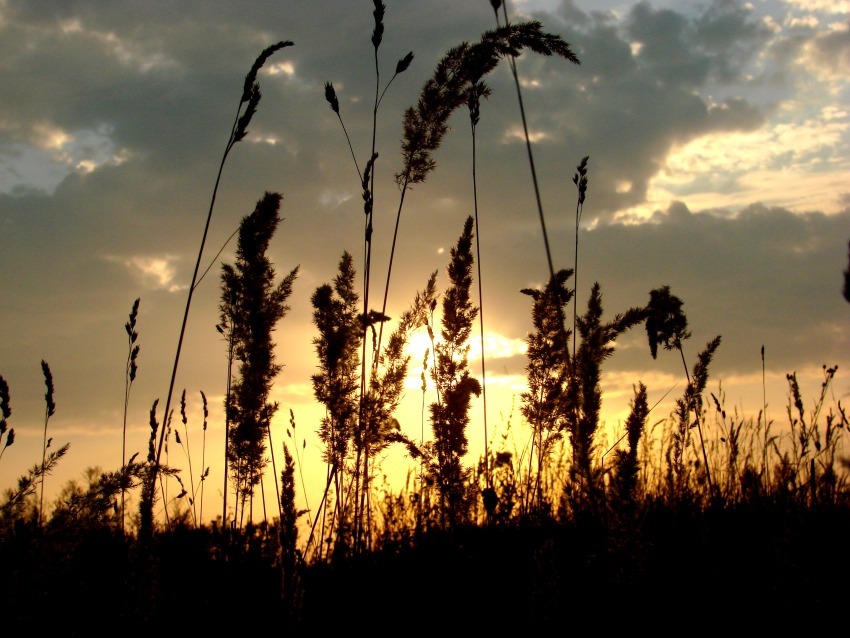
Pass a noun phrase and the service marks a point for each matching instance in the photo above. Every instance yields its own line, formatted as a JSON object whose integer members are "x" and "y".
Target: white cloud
{"x": 516, "y": 133}
{"x": 802, "y": 164}
{"x": 834, "y": 7}
{"x": 156, "y": 273}
{"x": 285, "y": 68}
{"x": 332, "y": 198}
{"x": 52, "y": 153}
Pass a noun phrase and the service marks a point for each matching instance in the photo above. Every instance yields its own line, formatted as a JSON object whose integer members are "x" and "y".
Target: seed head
{"x": 402, "y": 65}
{"x": 48, "y": 381}
{"x": 330, "y": 96}
{"x": 378, "y": 33}
{"x": 251, "y": 78}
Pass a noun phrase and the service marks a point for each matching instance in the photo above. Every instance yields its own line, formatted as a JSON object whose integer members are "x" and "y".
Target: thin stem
{"x": 765, "y": 468}
{"x": 350, "y": 147}
{"x": 188, "y": 453}
{"x": 212, "y": 261}
{"x": 300, "y": 461}
{"x": 392, "y": 255}
{"x": 43, "y": 461}
{"x": 512, "y": 62}
{"x": 575, "y": 276}
{"x": 50, "y": 408}
{"x": 480, "y": 306}
{"x": 229, "y": 146}
{"x": 227, "y": 429}
{"x": 203, "y": 467}
{"x": 129, "y": 376}
{"x": 274, "y": 472}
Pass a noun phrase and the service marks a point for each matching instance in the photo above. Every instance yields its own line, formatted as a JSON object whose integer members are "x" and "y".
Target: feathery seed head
{"x": 5, "y": 409}
{"x": 330, "y": 96}
{"x": 378, "y": 33}
{"x": 130, "y": 326}
{"x": 48, "y": 381}
{"x": 251, "y": 78}
{"x": 666, "y": 323}
{"x": 580, "y": 179}
{"x": 404, "y": 63}
{"x": 154, "y": 427}
{"x": 426, "y": 124}
{"x": 133, "y": 365}
{"x": 250, "y": 110}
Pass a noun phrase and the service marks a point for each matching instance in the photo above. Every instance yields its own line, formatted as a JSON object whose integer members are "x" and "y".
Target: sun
{"x": 418, "y": 344}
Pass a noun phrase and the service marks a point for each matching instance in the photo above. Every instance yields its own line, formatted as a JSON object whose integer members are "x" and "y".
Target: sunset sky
{"x": 718, "y": 137}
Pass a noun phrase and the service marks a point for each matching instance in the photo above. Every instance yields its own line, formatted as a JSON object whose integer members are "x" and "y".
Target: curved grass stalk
{"x": 250, "y": 99}
{"x": 426, "y": 124}
{"x": 512, "y": 62}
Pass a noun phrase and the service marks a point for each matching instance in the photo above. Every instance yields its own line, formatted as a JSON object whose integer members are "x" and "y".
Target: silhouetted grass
{"x": 654, "y": 532}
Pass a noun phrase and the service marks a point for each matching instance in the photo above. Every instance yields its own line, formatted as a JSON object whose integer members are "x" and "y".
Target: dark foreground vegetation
{"x": 699, "y": 521}
{"x": 759, "y": 565}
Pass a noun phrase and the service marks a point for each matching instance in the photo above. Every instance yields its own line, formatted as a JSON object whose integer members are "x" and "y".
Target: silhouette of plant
{"x": 667, "y": 325}
{"x": 292, "y": 561}
{"x": 95, "y": 504}
{"x": 356, "y": 429}
{"x": 249, "y": 99}
{"x": 257, "y": 306}
{"x": 454, "y": 384}
{"x": 585, "y": 391}
{"x": 197, "y": 517}
{"x": 5, "y": 413}
{"x": 129, "y": 377}
{"x": 846, "y": 289}
{"x": 367, "y": 184}
{"x": 565, "y": 52}
{"x": 15, "y": 500}
{"x": 335, "y": 385}
{"x": 625, "y": 481}
{"x": 580, "y": 180}
{"x": 461, "y": 68}
{"x": 691, "y": 403}
{"x": 548, "y": 368}
{"x": 50, "y": 410}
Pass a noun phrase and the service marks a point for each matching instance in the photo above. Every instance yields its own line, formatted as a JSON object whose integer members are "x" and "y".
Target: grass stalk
{"x": 298, "y": 457}
{"x": 205, "y": 470}
{"x": 250, "y": 99}
{"x": 49, "y": 411}
{"x": 766, "y": 424}
{"x": 478, "y": 90}
{"x": 187, "y": 451}
{"x": 580, "y": 180}
{"x": 129, "y": 377}
{"x": 5, "y": 413}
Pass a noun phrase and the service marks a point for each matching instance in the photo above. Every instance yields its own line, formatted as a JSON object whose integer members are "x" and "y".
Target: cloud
{"x": 152, "y": 272}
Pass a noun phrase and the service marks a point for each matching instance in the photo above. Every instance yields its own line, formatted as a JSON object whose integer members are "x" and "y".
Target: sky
{"x": 717, "y": 136}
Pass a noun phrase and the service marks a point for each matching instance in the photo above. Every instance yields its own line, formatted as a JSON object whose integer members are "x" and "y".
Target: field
{"x": 704, "y": 519}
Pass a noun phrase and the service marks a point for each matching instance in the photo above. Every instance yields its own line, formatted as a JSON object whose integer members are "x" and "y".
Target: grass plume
{"x": 248, "y": 103}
